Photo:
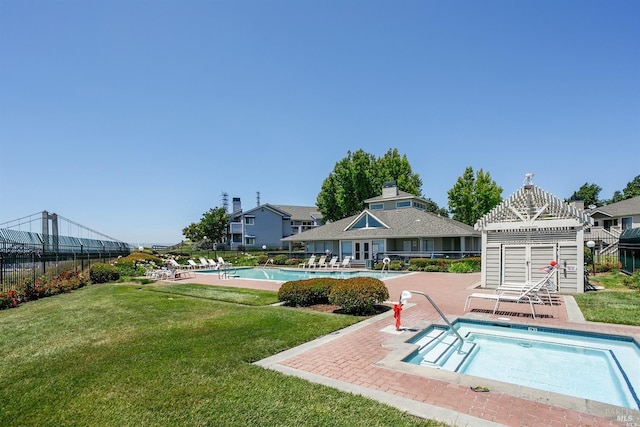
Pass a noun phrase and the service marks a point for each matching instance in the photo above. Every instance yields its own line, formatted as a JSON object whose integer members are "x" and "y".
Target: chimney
{"x": 236, "y": 205}
{"x": 389, "y": 189}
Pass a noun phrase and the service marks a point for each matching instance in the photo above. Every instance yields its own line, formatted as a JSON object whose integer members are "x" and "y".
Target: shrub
{"x": 9, "y": 299}
{"x": 306, "y": 292}
{"x": 461, "y": 267}
{"x": 280, "y": 260}
{"x": 30, "y": 290}
{"x": 633, "y": 281}
{"x": 358, "y": 295}
{"x": 65, "y": 282}
{"x": 103, "y": 273}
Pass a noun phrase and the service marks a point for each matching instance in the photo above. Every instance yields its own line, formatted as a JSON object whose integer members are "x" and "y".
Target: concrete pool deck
{"x": 353, "y": 359}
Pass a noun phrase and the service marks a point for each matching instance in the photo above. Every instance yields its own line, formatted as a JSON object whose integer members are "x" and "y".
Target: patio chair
{"x": 194, "y": 265}
{"x": 527, "y": 293}
{"x": 204, "y": 263}
{"x": 332, "y": 263}
{"x": 223, "y": 263}
{"x": 175, "y": 265}
{"x": 320, "y": 263}
{"x": 346, "y": 262}
{"x": 309, "y": 263}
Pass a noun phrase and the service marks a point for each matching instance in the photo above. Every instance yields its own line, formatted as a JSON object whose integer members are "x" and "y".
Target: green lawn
{"x": 617, "y": 303}
{"x": 131, "y": 355}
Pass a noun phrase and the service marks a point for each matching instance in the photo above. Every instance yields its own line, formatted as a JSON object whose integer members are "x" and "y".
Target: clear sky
{"x": 133, "y": 117}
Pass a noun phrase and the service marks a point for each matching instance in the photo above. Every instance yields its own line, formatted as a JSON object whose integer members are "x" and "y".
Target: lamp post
{"x": 591, "y": 244}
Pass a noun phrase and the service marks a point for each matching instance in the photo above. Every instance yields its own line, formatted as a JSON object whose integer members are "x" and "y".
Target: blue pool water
{"x": 284, "y": 275}
{"x": 586, "y": 365}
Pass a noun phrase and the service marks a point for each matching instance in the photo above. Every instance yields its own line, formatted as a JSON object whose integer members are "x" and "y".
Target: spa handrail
{"x": 440, "y": 313}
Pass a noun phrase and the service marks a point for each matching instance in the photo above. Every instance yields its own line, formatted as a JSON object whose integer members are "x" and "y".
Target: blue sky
{"x": 133, "y": 117}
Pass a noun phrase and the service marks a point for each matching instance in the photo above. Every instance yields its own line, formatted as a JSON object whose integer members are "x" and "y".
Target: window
{"x": 367, "y": 221}
{"x": 249, "y": 220}
{"x": 405, "y": 204}
{"x": 250, "y": 241}
{"x": 627, "y": 223}
{"x": 428, "y": 245}
{"x": 376, "y": 207}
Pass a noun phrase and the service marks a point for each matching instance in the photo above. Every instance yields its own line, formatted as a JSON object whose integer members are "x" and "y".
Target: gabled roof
{"x": 272, "y": 208}
{"x": 622, "y": 208}
{"x": 301, "y": 213}
{"x": 401, "y": 223}
{"x": 531, "y": 206}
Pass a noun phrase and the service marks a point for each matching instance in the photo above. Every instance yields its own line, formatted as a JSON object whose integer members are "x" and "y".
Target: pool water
{"x": 284, "y": 275}
{"x": 591, "y": 366}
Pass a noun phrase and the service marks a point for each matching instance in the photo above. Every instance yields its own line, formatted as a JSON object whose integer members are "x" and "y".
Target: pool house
{"x": 528, "y": 230}
{"x": 395, "y": 225}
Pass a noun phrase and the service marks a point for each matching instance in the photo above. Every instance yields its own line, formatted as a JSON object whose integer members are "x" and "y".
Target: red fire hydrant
{"x": 397, "y": 308}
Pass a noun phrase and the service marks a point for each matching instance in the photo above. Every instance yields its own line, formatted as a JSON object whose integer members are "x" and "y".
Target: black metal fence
{"x": 15, "y": 267}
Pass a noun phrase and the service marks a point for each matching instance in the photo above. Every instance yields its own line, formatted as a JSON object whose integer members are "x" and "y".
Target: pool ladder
{"x": 404, "y": 295}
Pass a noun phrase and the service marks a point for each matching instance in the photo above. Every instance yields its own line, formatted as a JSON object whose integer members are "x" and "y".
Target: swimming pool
{"x": 284, "y": 275}
{"x": 597, "y": 367}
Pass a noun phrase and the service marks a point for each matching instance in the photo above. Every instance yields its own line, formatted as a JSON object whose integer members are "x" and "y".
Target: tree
{"x": 359, "y": 177}
{"x": 631, "y": 190}
{"x": 588, "y": 193}
{"x": 471, "y": 197}
{"x": 213, "y": 226}
{"x": 393, "y": 167}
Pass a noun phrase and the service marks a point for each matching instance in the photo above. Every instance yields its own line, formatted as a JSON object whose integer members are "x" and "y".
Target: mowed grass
{"x": 609, "y": 306}
{"x": 127, "y": 355}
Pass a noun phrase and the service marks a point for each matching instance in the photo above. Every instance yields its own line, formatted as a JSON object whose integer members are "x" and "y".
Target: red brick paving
{"x": 351, "y": 357}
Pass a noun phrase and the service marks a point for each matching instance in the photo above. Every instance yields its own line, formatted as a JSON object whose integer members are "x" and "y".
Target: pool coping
{"x": 401, "y": 349}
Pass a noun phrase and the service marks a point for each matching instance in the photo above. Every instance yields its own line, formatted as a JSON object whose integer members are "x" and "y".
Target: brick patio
{"x": 352, "y": 359}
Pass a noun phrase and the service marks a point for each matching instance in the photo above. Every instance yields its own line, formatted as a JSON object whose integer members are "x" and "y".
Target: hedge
{"x": 306, "y": 292}
{"x": 358, "y": 295}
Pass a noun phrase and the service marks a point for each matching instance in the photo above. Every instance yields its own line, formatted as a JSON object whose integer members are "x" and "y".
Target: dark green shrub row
{"x": 358, "y": 295}
{"x": 30, "y": 290}
{"x": 306, "y": 292}
{"x": 103, "y": 273}
{"x": 462, "y": 265}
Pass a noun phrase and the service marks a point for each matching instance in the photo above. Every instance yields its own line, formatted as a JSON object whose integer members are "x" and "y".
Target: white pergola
{"x": 528, "y": 230}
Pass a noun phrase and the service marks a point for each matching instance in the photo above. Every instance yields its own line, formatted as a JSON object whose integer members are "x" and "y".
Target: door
{"x": 362, "y": 250}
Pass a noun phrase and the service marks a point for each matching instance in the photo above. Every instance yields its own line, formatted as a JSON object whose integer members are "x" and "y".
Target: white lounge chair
{"x": 193, "y": 264}
{"x": 527, "y": 293}
{"x": 332, "y": 263}
{"x": 204, "y": 263}
{"x": 321, "y": 262}
{"x": 309, "y": 263}
{"x": 346, "y": 262}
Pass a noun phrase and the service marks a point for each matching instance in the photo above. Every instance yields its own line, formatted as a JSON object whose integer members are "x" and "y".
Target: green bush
{"x": 358, "y": 295}
{"x": 9, "y": 299}
{"x": 633, "y": 281}
{"x": 306, "y": 292}
{"x": 30, "y": 290}
{"x": 460, "y": 267}
{"x": 280, "y": 259}
{"x": 103, "y": 273}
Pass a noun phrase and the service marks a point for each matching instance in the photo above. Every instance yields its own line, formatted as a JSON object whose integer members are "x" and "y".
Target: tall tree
{"x": 352, "y": 181}
{"x": 212, "y": 225}
{"x": 473, "y": 196}
{"x": 393, "y": 167}
{"x": 588, "y": 193}
{"x": 360, "y": 176}
{"x": 631, "y": 190}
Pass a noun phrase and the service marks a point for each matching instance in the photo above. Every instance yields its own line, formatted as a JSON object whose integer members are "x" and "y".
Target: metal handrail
{"x": 439, "y": 312}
